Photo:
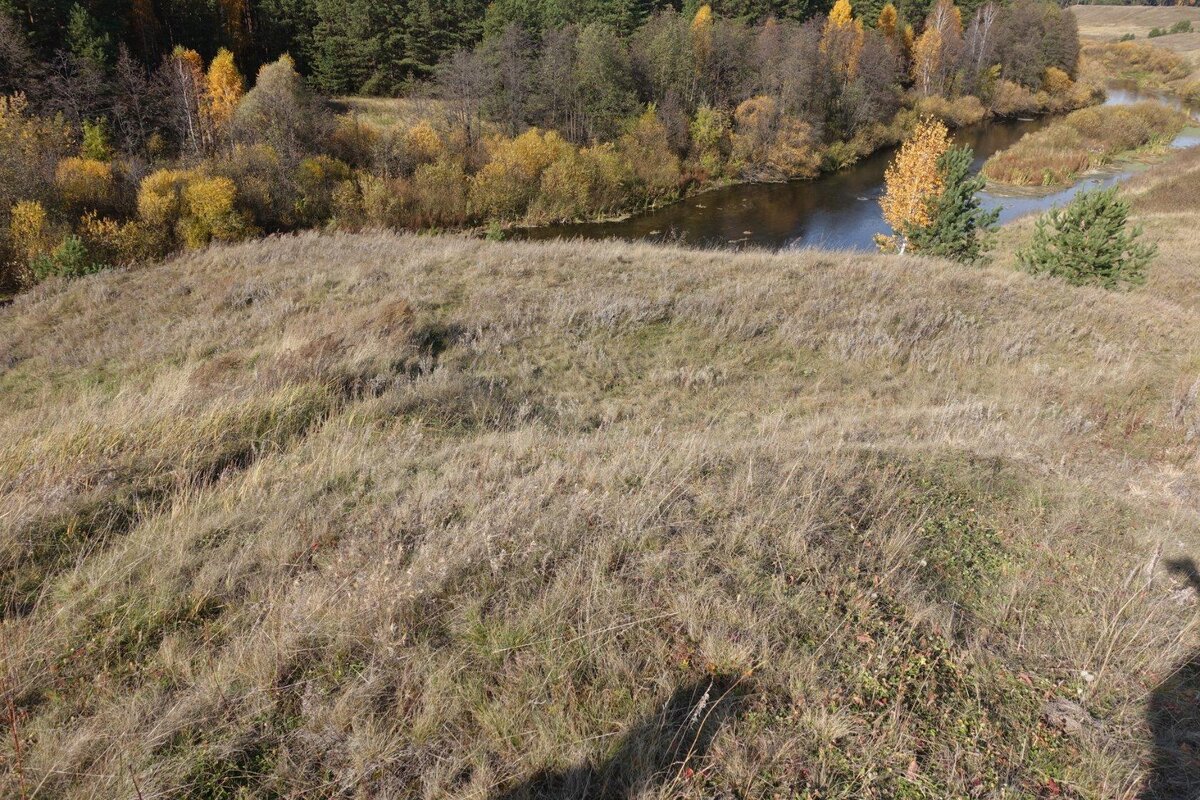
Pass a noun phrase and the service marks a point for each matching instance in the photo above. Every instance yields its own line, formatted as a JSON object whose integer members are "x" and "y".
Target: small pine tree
{"x": 95, "y": 144}
{"x": 1089, "y": 242}
{"x": 958, "y": 227}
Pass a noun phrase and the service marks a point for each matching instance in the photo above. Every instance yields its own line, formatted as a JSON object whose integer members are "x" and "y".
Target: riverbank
{"x": 1085, "y": 141}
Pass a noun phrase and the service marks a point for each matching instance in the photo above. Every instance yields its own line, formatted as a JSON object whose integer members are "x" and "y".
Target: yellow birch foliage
{"x": 225, "y": 89}
{"x": 28, "y": 230}
{"x": 702, "y": 25}
{"x": 912, "y": 179}
{"x": 927, "y": 60}
{"x": 842, "y": 39}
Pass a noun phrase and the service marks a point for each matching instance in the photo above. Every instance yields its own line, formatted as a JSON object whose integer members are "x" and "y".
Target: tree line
{"x": 108, "y": 158}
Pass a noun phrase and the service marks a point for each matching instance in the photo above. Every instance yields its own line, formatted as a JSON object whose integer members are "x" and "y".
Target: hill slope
{"x": 386, "y": 516}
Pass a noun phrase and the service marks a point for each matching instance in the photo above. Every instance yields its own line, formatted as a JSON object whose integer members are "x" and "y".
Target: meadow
{"x": 385, "y": 515}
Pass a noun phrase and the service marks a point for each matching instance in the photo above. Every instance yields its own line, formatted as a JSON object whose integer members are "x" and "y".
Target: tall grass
{"x": 1084, "y": 140}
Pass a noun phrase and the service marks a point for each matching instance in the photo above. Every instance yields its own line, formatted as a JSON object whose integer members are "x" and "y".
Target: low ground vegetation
{"x": 1085, "y": 140}
{"x": 389, "y": 515}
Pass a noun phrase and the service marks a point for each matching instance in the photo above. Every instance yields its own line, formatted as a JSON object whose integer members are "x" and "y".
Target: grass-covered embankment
{"x": 387, "y": 516}
{"x": 1085, "y": 140}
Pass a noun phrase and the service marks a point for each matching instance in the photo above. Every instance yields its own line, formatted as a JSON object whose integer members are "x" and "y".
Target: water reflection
{"x": 838, "y": 211}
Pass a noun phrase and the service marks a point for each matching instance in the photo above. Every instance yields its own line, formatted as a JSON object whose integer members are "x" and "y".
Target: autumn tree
{"x": 842, "y": 40}
{"x": 224, "y": 89}
{"x": 959, "y": 227}
{"x": 913, "y": 180}
{"x": 888, "y": 23}
{"x": 184, "y": 77}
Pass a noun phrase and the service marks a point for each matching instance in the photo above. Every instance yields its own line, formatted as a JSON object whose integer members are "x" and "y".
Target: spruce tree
{"x": 959, "y": 227}
{"x": 1089, "y": 242}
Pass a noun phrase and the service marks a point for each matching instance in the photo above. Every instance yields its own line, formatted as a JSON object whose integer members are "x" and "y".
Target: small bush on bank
{"x": 1089, "y": 243}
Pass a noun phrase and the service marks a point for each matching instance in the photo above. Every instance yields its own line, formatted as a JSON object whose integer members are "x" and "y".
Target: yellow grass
{"x": 395, "y": 516}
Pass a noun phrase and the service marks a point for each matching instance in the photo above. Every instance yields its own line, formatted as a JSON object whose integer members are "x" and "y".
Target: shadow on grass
{"x": 660, "y": 748}
{"x": 1174, "y": 719}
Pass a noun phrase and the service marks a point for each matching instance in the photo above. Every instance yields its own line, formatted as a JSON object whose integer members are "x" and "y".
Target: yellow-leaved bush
{"x": 29, "y": 232}
{"x": 190, "y": 207}
{"x": 582, "y": 183}
{"x": 84, "y": 183}
{"x": 509, "y": 181}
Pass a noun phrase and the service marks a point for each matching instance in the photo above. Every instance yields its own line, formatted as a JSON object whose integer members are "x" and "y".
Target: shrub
{"x": 353, "y": 141}
{"x": 423, "y": 145}
{"x": 1155, "y": 33}
{"x": 280, "y": 111}
{"x": 190, "y": 207}
{"x": 28, "y": 232}
{"x": 1010, "y": 99}
{"x": 653, "y": 165}
{"x": 712, "y": 132}
{"x": 957, "y": 112}
{"x": 84, "y": 183}
{"x": 317, "y": 178}
{"x": 70, "y": 259}
{"x": 266, "y": 188}
{"x": 210, "y": 213}
{"x": 1126, "y": 37}
{"x": 508, "y": 183}
{"x": 30, "y": 148}
{"x": 112, "y": 242}
{"x": 1182, "y": 26}
{"x": 95, "y": 144}
{"x": 440, "y": 194}
{"x": 1089, "y": 242}
{"x": 582, "y": 183}
{"x": 770, "y": 145}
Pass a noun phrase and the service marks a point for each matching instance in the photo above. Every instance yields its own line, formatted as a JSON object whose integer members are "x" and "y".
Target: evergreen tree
{"x": 86, "y": 40}
{"x": 958, "y": 226}
{"x": 1089, "y": 242}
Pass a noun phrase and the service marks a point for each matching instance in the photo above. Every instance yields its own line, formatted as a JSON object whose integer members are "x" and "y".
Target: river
{"x": 838, "y": 211}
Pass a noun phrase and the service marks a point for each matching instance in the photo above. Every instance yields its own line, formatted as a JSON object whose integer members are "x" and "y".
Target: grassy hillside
{"x": 1109, "y": 23}
{"x": 387, "y": 516}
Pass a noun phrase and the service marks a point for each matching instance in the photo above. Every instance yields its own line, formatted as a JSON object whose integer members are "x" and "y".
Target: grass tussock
{"x": 1084, "y": 140}
{"x": 388, "y": 516}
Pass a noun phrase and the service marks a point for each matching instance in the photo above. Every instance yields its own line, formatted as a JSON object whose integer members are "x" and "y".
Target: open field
{"x": 1110, "y": 23}
{"x": 394, "y": 516}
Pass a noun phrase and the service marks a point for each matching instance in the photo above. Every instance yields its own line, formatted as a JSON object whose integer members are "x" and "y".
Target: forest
{"x": 126, "y": 140}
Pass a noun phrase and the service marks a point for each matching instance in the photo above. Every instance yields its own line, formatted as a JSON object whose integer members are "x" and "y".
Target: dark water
{"x": 837, "y": 211}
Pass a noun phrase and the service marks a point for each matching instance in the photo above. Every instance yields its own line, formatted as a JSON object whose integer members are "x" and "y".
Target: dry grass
{"x": 1085, "y": 140}
{"x": 1111, "y": 22}
{"x": 386, "y": 516}
{"x": 389, "y": 112}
